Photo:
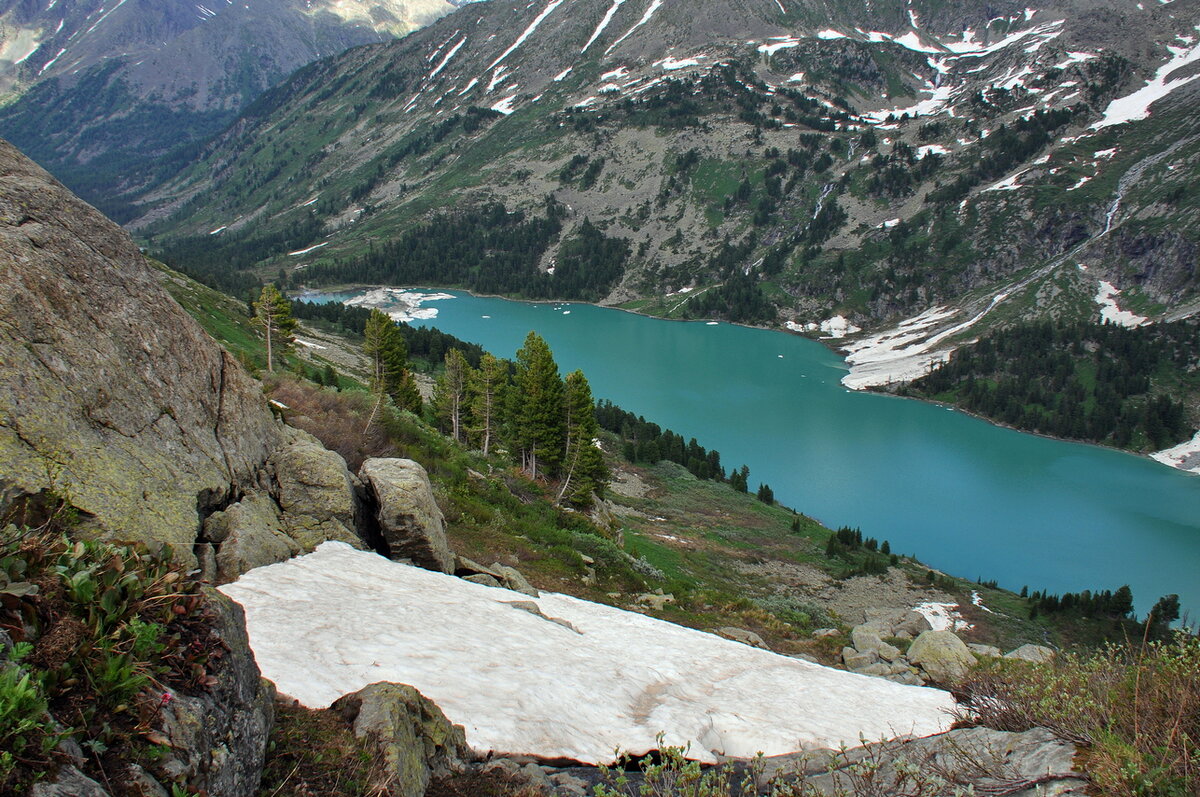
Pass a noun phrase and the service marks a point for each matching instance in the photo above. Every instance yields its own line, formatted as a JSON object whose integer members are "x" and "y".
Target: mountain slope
{"x": 102, "y": 89}
{"x": 949, "y": 168}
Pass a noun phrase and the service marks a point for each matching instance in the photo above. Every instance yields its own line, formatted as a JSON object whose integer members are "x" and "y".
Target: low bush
{"x": 1135, "y": 708}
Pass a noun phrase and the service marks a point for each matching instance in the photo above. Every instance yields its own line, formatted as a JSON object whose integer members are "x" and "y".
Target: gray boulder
{"x": 410, "y": 521}
{"x": 512, "y": 579}
{"x": 414, "y": 740}
{"x": 942, "y": 655}
{"x": 856, "y": 660}
{"x": 315, "y": 492}
{"x": 68, "y": 782}
{"x": 1029, "y": 764}
{"x": 984, "y": 650}
{"x": 1038, "y": 654}
{"x": 109, "y": 392}
{"x": 864, "y": 639}
{"x": 742, "y": 635}
{"x": 244, "y": 536}
{"x": 484, "y": 579}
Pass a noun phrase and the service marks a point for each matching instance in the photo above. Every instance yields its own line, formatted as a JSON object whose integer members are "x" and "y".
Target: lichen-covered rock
{"x": 218, "y": 739}
{"x": 942, "y": 655}
{"x": 1038, "y": 654}
{"x": 512, "y": 579}
{"x": 983, "y": 650}
{"x": 68, "y": 782}
{"x": 411, "y": 734}
{"x": 244, "y": 536}
{"x": 316, "y": 492}
{"x": 110, "y": 394}
{"x": 864, "y": 639}
{"x": 409, "y": 518}
{"x": 1029, "y": 764}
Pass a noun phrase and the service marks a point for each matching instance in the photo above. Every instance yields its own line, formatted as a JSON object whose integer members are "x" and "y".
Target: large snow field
{"x": 333, "y": 621}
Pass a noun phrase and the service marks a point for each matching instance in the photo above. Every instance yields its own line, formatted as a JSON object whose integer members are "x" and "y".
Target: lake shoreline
{"x": 829, "y": 343}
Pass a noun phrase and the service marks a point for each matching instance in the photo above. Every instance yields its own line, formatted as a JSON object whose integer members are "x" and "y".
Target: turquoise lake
{"x": 961, "y": 494}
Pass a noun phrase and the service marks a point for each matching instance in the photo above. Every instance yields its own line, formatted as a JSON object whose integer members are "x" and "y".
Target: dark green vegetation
{"x": 105, "y": 636}
{"x": 1102, "y": 383}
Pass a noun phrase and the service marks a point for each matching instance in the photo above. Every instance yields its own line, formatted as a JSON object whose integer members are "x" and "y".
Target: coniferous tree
{"x": 583, "y": 468}
{"x": 273, "y": 312}
{"x": 450, "y": 397}
{"x": 388, "y": 355}
{"x": 486, "y": 387}
{"x": 537, "y": 408}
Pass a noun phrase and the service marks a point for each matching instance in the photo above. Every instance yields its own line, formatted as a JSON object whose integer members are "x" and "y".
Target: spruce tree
{"x": 584, "y": 472}
{"x": 486, "y": 390}
{"x": 273, "y": 312}
{"x": 450, "y": 394}
{"x": 537, "y": 408}
{"x": 388, "y": 355}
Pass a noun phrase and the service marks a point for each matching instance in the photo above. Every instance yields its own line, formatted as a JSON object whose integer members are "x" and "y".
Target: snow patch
{"x": 299, "y": 252}
{"x": 654, "y": 6}
{"x": 1185, "y": 456}
{"x": 563, "y": 74}
{"x": 1136, "y": 106}
{"x": 774, "y": 47}
{"x": 612, "y": 10}
{"x": 505, "y": 106}
{"x": 219, "y": 230}
{"x": 941, "y": 616}
{"x": 1110, "y": 313}
{"x": 526, "y": 33}
{"x": 333, "y": 621}
{"x": 830, "y": 33}
{"x": 671, "y": 64}
{"x": 446, "y": 60}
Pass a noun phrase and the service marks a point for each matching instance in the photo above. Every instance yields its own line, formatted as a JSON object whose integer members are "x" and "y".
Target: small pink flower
{"x": 167, "y": 697}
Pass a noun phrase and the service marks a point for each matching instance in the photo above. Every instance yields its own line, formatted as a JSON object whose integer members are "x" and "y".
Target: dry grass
{"x": 339, "y": 420}
{"x": 1134, "y": 707}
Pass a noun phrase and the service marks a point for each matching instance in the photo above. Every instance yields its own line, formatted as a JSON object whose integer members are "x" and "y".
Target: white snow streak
{"x": 612, "y": 10}
{"x": 299, "y": 252}
{"x": 654, "y": 6}
{"x": 446, "y": 60}
{"x": 525, "y": 34}
{"x": 1136, "y": 106}
{"x": 333, "y": 621}
{"x": 505, "y": 106}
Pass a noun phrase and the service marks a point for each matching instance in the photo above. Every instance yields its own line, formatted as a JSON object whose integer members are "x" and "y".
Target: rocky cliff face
{"x": 114, "y": 399}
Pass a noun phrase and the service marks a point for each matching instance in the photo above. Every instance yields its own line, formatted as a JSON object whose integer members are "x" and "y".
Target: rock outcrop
{"x": 942, "y": 655}
{"x": 1029, "y": 764}
{"x": 410, "y": 522}
{"x": 411, "y": 735}
{"x": 114, "y": 399}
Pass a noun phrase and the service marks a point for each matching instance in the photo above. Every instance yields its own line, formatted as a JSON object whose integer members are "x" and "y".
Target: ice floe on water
{"x": 836, "y": 327}
{"x": 578, "y": 681}
{"x": 401, "y": 304}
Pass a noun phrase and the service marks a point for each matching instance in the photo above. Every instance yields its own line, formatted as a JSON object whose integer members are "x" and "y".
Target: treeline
{"x": 1081, "y": 381}
{"x": 1106, "y": 604}
{"x": 426, "y": 343}
{"x": 489, "y": 250}
{"x": 864, "y": 556}
{"x": 646, "y": 442}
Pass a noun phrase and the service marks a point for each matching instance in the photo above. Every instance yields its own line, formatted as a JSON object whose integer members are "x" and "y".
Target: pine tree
{"x": 329, "y": 377}
{"x": 273, "y": 312}
{"x": 450, "y": 394}
{"x": 537, "y": 408}
{"x": 486, "y": 389}
{"x": 584, "y": 472}
{"x": 388, "y": 355}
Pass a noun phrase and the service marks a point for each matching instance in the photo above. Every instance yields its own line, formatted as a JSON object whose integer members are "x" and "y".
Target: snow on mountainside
{"x": 102, "y": 91}
{"x": 926, "y": 172}
{"x": 577, "y": 681}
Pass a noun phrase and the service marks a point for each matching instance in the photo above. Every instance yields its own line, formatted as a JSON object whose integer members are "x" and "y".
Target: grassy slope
{"x": 725, "y": 557}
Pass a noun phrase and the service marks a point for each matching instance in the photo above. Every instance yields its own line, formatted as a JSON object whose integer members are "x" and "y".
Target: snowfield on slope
{"x": 333, "y": 621}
